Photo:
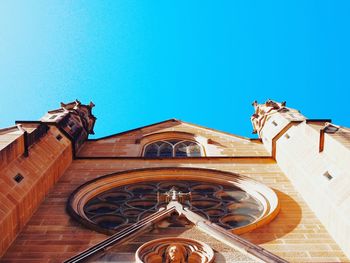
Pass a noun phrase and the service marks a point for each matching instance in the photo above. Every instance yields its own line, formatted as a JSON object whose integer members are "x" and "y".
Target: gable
{"x": 131, "y": 143}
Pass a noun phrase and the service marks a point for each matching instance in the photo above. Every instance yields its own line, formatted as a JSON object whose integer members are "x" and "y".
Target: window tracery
{"x": 113, "y": 202}
{"x": 173, "y": 148}
{"x": 225, "y": 205}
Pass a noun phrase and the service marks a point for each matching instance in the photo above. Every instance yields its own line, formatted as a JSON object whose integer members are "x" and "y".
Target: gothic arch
{"x": 163, "y": 141}
{"x": 172, "y": 148}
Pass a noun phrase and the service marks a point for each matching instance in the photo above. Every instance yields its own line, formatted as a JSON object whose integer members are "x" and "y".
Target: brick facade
{"x": 41, "y": 230}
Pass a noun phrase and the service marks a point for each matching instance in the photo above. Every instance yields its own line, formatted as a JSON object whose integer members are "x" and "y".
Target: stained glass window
{"x": 165, "y": 150}
{"x": 181, "y": 150}
{"x": 225, "y": 205}
{"x": 173, "y": 148}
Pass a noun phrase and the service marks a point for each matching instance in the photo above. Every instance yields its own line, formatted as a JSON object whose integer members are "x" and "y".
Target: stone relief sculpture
{"x": 174, "y": 250}
{"x": 175, "y": 253}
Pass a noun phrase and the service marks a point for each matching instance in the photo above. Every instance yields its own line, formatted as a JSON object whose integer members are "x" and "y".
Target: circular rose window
{"x": 113, "y": 202}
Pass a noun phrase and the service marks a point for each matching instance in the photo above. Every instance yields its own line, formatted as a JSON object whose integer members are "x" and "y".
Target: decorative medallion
{"x": 174, "y": 250}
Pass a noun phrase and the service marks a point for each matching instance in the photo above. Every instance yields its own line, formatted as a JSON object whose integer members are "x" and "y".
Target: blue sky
{"x": 204, "y": 62}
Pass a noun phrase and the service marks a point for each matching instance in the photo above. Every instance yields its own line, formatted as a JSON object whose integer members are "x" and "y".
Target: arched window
{"x": 165, "y": 150}
{"x": 173, "y": 148}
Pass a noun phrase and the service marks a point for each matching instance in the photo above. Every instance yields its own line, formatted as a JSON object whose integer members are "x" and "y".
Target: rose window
{"x": 114, "y": 202}
{"x": 225, "y": 205}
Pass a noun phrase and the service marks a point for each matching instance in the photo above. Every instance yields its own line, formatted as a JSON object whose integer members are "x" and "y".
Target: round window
{"x": 113, "y": 202}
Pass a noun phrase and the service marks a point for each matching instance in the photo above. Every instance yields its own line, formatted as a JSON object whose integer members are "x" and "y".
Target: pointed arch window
{"x": 173, "y": 148}
{"x": 165, "y": 150}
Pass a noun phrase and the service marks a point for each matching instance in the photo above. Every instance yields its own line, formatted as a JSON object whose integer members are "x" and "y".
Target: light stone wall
{"x": 305, "y": 166}
{"x": 275, "y": 123}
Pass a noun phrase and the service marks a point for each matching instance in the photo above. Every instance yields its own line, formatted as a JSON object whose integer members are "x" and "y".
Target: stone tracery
{"x": 227, "y": 206}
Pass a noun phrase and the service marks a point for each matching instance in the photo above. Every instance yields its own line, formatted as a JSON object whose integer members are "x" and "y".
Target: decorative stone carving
{"x": 262, "y": 111}
{"x": 139, "y": 200}
{"x": 231, "y": 201}
{"x": 174, "y": 195}
{"x": 174, "y": 250}
{"x": 75, "y": 119}
{"x": 175, "y": 253}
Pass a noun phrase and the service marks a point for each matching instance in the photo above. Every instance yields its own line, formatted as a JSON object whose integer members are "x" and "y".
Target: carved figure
{"x": 175, "y": 253}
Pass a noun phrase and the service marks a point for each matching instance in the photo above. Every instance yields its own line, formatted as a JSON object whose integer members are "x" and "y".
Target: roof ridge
{"x": 172, "y": 120}
{"x": 135, "y": 129}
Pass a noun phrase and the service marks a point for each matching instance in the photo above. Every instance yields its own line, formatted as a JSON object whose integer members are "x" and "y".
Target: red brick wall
{"x": 47, "y": 161}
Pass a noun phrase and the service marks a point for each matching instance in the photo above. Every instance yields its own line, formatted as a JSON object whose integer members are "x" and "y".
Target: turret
{"x": 315, "y": 156}
{"x": 271, "y": 118}
{"x": 33, "y": 157}
{"x": 74, "y": 119}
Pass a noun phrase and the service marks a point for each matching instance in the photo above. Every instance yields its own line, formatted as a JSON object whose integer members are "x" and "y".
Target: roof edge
{"x": 180, "y": 121}
{"x": 135, "y": 129}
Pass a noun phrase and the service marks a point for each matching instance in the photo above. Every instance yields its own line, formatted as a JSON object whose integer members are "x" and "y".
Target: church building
{"x": 174, "y": 191}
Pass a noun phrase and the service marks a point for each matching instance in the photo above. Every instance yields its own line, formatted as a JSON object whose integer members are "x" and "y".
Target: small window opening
{"x": 287, "y": 136}
{"x": 328, "y": 175}
{"x": 18, "y": 178}
{"x": 53, "y": 117}
{"x": 59, "y": 137}
{"x": 274, "y": 123}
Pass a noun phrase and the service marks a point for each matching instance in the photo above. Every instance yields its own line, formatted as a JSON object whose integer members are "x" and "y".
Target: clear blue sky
{"x": 204, "y": 62}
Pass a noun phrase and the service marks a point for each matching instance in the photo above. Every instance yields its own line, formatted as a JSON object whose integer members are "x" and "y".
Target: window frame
{"x": 160, "y": 142}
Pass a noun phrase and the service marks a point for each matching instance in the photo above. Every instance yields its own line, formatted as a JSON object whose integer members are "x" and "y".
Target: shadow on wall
{"x": 126, "y": 252}
{"x": 285, "y": 222}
